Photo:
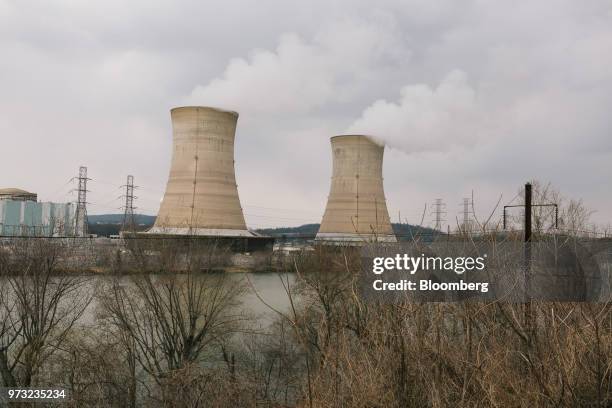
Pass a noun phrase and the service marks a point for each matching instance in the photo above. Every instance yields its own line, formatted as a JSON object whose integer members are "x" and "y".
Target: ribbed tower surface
{"x": 201, "y": 196}
{"x": 356, "y": 208}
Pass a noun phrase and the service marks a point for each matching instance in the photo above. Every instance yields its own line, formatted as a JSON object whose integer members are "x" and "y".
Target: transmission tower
{"x": 467, "y": 219}
{"x": 439, "y": 211}
{"x": 128, "y": 208}
{"x": 80, "y": 219}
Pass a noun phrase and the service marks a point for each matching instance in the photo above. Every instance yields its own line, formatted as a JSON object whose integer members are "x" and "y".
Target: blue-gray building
{"x": 22, "y": 216}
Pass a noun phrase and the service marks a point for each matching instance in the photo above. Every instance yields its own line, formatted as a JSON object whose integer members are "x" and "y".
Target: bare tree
{"x": 168, "y": 322}
{"x": 443, "y": 354}
{"x": 38, "y": 307}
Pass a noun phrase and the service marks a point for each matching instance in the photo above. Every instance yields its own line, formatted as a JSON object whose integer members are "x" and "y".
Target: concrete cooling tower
{"x": 201, "y": 195}
{"x": 356, "y": 209}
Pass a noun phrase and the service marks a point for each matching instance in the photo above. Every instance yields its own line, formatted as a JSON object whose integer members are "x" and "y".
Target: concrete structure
{"x": 201, "y": 196}
{"x": 17, "y": 194}
{"x": 356, "y": 209}
{"x": 29, "y": 218}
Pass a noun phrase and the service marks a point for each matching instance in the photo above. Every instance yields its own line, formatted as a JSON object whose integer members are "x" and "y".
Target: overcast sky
{"x": 469, "y": 96}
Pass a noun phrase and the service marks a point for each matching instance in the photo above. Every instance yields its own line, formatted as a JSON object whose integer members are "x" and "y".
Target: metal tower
{"x": 467, "y": 219}
{"x": 80, "y": 221}
{"x": 439, "y": 211}
{"x": 128, "y": 214}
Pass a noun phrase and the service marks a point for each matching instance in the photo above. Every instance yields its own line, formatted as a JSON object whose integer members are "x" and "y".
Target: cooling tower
{"x": 201, "y": 195}
{"x": 356, "y": 209}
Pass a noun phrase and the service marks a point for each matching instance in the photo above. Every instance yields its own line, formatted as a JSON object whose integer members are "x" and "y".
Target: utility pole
{"x": 528, "y": 196}
{"x": 128, "y": 208}
{"x": 80, "y": 221}
{"x": 528, "y": 205}
{"x": 439, "y": 212}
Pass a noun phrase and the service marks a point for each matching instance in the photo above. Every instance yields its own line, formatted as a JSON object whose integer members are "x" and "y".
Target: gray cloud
{"x": 478, "y": 96}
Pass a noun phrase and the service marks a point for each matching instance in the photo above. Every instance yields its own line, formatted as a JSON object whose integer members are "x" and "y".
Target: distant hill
{"x": 306, "y": 229}
{"x": 105, "y": 225}
{"x": 118, "y": 219}
{"x": 407, "y": 232}
{"x": 404, "y": 232}
{"x": 110, "y": 224}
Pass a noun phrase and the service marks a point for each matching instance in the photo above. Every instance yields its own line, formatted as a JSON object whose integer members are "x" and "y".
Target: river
{"x": 265, "y": 295}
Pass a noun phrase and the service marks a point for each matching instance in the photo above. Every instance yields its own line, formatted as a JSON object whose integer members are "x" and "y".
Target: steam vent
{"x": 201, "y": 195}
{"x": 356, "y": 208}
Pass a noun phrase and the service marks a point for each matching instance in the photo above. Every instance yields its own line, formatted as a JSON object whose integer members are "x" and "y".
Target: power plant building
{"x": 201, "y": 196}
{"x": 356, "y": 210}
{"x": 21, "y": 215}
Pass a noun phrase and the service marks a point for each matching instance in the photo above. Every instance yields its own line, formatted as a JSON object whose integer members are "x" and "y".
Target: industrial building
{"x": 21, "y": 215}
{"x": 356, "y": 210}
{"x": 201, "y": 197}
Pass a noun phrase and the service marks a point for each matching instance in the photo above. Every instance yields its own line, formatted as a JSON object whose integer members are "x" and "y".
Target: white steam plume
{"x": 425, "y": 119}
{"x": 300, "y": 76}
